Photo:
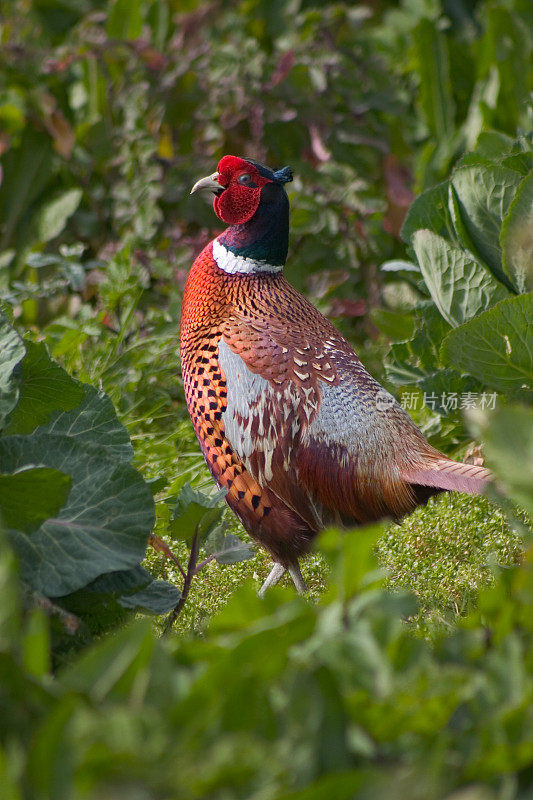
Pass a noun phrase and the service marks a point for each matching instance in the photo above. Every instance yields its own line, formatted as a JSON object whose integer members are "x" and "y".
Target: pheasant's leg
{"x": 297, "y": 578}
{"x": 273, "y": 577}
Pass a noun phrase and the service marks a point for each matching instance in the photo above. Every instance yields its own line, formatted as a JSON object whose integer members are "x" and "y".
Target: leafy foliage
{"x": 74, "y": 508}
{"x": 509, "y": 443}
{"x": 109, "y": 111}
{"x": 337, "y": 693}
{"x": 458, "y": 231}
{"x": 496, "y": 347}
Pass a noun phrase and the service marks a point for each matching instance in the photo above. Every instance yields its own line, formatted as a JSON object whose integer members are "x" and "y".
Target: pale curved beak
{"x": 210, "y": 183}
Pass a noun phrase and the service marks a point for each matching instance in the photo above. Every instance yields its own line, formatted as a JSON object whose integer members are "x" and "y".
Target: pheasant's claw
{"x": 297, "y": 578}
{"x": 277, "y": 572}
{"x": 273, "y": 577}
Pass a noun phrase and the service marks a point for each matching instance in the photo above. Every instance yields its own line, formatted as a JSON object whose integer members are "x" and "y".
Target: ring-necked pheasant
{"x": 289, "y": 420}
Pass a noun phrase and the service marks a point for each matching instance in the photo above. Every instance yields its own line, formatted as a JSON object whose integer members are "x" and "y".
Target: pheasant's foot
{"x": 297, "y": 578}
{"x": 273, "y": 577}
{"x": 277, "y": 572}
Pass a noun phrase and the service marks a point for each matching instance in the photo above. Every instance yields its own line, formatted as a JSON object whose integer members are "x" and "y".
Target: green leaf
{"x": 122, "y": 581}
{"x": 430, "y": 210}
{"x": 353, "y": 559}
{"x": 54, "y": 214}
{"x": 227, "y": 547}
{"x": 12, "y": 351}
{"x": 10, "y": 605}
{"x": 103, "y": 526}
{"x": 158, "y": 597}
{"x": 431, "y": 329}
{"x": 436, "y": 98}
{"x": 135, "y": 589}
{"x": 124, "y": 19}
{"x": 442, "y": 391}
{"x": 31, "y": 495}
{"x": 494, "y": 144}
{"x": 93, "y": 421}
{"x": 195, "y": 510}
{"x": 401, "y": 367}
{"x": 517, "y": 237}
{"x": 45, "y": 388}
{"x": 484, "y": 195}
{"x": 508, "y": 437}
{"x": 398, "y": 265}
{"x": 157, "y": 484}
{"x": 28, "y": 171}
{"x": 396, "y": 327}
{"x": 506, "y": 49}
{"x": 521, "y": 162}
{"x": 113, "y": 664}
{"x": 39, "y": 260}
{"x": 460, "y": 285}
{"x": 36, "y": 644}
{"x": 340, "y": 784}
{"x": 494, "y": 148}
{"x": 51, "y": 761}
{"x": 497, "y": 346}
{"x": 414, "y": 361}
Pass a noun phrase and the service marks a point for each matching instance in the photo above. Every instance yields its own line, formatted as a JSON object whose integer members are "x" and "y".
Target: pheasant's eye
{"x": 246, "y": 180}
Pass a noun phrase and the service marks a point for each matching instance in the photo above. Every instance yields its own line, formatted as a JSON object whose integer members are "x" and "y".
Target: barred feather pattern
{"x": 289, "y": 420}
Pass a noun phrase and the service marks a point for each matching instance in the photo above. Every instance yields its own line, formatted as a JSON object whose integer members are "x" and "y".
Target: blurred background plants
{"x": 408, "y": 127}
{"x": 110, "y": 111}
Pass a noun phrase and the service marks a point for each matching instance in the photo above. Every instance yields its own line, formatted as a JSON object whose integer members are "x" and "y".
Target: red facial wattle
{"x": 237, "y": 203}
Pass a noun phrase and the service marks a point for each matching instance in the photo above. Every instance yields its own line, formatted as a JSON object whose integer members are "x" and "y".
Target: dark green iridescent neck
{"x": 265, "y": 237}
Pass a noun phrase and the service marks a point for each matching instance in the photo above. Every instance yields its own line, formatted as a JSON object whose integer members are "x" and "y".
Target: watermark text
{"x": 448, "y": 401}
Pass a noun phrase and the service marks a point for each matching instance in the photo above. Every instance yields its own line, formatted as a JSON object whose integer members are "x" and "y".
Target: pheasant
{"x": 290, "y": 422}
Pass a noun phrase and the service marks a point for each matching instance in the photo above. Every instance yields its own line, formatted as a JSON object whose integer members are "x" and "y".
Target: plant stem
{"x": 204, "y": 563}
{"x": 191, "y": 567}
{"x": 162, "y": 547}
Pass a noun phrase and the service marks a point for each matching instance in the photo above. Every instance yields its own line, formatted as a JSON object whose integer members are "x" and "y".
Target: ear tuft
{"x": 283, "y": 175}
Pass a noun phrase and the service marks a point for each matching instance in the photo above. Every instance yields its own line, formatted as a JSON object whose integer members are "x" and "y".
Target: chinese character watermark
{"x": 448, "y": 401}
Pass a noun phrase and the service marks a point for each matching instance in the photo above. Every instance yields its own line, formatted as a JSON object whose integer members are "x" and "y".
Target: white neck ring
{"x": 232, "y": 264}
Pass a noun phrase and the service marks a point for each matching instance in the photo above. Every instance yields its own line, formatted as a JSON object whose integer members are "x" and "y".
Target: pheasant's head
{"x": 241, "y": 186}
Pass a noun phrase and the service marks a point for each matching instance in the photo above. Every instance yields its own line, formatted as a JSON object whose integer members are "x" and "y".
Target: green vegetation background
{"x": 109, "y": 112}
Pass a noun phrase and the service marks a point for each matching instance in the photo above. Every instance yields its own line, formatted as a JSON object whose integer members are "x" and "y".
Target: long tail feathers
{"x": 443, "y": 473}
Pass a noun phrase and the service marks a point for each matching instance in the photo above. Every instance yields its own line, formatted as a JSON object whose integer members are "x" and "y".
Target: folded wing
{"x": 309, "y": 422}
